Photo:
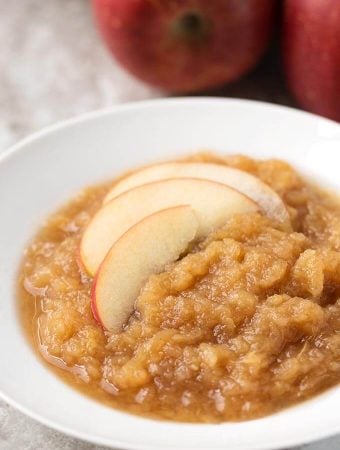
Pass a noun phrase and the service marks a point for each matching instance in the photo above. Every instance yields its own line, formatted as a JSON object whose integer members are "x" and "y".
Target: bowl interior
{"x": 47, "y": 169}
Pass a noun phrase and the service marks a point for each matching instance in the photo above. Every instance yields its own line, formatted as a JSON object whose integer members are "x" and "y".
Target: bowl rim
{"x": 137, "y": 106}
{"x": 144, "y": 104}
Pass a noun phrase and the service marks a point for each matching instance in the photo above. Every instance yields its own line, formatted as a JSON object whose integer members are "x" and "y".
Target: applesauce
{"x": 243, "y": 325}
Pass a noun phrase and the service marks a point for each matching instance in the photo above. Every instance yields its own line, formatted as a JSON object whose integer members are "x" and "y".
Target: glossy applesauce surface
{"x": 244, "y": 325}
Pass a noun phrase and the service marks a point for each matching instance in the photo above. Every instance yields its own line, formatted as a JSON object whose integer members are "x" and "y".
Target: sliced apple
{"x": 212, "y": 202}
{"x": 144, "y": 249}
{"x": 268, "y": 200}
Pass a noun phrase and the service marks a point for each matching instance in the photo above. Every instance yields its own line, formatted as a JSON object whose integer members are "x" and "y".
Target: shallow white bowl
{"x": 45, "y": 170}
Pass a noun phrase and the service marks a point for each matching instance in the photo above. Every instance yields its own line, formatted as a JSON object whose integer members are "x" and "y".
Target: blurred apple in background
{"x": 311, "y": 46}
{"x": 186, "y": 45}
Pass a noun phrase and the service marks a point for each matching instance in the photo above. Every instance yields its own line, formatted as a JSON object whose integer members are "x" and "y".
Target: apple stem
{"x": 190, "y": 26}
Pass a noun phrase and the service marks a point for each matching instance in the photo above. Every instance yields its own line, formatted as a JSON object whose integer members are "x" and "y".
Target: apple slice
{"x": 268, "y": 200}
{"x": 213, "y": 203}
{"x": 144, "y": 249}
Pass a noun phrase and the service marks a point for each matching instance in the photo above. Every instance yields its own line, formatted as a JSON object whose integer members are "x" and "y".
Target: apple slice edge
{"x": 143, "y": 250}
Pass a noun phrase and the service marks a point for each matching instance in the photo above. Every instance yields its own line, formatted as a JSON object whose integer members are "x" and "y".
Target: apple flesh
{"x": 268, "y": 200}
{"x": 311, "y": 47}
{"x": 212, "y": 202}
{"x": 186, "y": 45}
{"x": 143, "y": 250}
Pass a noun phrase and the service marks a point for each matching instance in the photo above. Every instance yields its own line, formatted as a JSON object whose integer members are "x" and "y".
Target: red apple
{"x": 186, "y": 45}
{"x": 311, "y": 47}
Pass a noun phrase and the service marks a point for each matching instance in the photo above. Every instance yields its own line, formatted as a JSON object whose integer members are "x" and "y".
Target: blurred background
{"x": 54, "y": 65}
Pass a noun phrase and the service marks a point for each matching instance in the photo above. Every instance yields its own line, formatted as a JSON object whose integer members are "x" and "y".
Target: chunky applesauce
{"x": 243, "y": 325}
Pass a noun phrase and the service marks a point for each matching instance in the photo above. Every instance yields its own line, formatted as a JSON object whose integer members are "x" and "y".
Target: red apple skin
{"x": 94, "y": 304}
{"x": 311, "y": 47}
{"x": 230, "y": 39}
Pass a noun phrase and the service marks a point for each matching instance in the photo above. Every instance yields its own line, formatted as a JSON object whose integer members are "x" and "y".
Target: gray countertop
{"x": 53, "y": 66}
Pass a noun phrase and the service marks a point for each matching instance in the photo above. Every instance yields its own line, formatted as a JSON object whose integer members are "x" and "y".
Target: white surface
{"x": 55, "y": 163}
{"x": 53, "y": 65}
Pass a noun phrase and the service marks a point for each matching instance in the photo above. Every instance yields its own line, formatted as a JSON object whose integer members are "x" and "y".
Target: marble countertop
{"x": 53, "y": 66}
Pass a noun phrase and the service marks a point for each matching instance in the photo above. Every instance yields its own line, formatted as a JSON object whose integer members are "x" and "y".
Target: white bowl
{"x": 43, "y": 171}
